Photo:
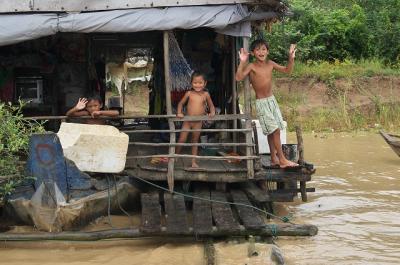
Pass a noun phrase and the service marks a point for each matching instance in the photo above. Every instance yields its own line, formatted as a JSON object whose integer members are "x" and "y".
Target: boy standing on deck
{"x": 269, "y": 115}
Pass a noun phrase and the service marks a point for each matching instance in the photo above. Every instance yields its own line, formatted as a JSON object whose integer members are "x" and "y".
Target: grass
{"x": 325, "y": 71}
{"x": 339, "y": 114}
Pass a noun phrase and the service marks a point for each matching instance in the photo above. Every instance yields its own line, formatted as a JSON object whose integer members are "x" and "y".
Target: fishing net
{"x": 180, "y": 70}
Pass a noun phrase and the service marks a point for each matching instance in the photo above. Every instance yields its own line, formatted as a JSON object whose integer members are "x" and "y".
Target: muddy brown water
{"x": 356, "y": 207}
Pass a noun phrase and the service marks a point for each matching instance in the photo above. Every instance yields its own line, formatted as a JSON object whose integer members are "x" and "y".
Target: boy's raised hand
{"x": 292, "y": 51}
{"x": 81, "y": 104}
{"x": 243, "y": 55}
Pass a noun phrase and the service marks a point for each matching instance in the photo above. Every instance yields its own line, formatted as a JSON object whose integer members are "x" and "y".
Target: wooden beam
{"x": 185, "y": 130}
{"x": 247, "y": 111}
{"x": 268, "y": 230}
{"x": 188, "y": 144}
{"x": 168, "y": 87}
{"x": 234, "y": 88}
{"x": 214, "y": 118}
{"x": 174, "y": 118}
{"x": 197, "y": 157}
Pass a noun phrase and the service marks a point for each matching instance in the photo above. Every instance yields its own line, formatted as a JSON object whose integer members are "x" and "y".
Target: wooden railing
{"x": 248, "y": 144}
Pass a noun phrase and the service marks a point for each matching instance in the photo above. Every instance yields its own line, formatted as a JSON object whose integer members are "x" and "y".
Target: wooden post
{"x": 209, "y": 251}
{"x": 300, "y": 148}
{"x": 247, "y": 111}
{"x": 300, "y": 145}
{"x": 234, "y": 90}
{"x": 172, "y": 140}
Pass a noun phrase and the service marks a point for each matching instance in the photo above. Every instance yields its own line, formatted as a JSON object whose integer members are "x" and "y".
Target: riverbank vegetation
{"x": 14, "y": 140}
{"x": 347, "y": 69}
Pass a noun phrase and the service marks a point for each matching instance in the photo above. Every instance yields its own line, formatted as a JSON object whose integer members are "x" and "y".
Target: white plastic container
{"x": 263, "y": 146}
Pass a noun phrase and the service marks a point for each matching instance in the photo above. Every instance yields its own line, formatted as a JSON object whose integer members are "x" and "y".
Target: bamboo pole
{"x": 247, "y": 110}
{"x": 268, "y": 230}
{"x": 172, "y": 136}
{"x": 234, "y": 90}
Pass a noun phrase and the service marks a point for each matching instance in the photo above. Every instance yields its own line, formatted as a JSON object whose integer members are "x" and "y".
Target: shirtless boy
{"x": 197, "y": 99}
{"x": 91, "y": 106}
{"x": 269, "y": 115}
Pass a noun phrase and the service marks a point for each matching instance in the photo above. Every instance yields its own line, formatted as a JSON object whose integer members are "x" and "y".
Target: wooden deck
{"x": 228, "y": 170}
{"x": 281, "y": 185}
{"x": 209, "y": 217}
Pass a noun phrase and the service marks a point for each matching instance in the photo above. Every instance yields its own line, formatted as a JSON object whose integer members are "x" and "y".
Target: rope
{"x": 109, "y": 203}
{"x": 119, "y": 204}
{"x": 284, "y": 219}
{"x": 274, "y": 230}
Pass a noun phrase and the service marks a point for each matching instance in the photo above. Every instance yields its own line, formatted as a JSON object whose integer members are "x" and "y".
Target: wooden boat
{"x": 392, "y": 140}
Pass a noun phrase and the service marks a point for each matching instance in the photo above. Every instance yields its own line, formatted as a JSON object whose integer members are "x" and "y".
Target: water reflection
{"x": 356, "y": 206}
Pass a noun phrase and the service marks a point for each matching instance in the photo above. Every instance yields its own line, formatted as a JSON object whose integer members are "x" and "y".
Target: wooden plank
{"x": 196, "y": 156}
{"x": 202, "y": 217}
{"x": 209, "y": 250}
{"x": 213, "y": 118}
{"x": 255, "y": 194}
{"x": 169, "y": 116}
{"x": 229, "y": 177}
{"x": 189, "y": 144}
{"x": 259, "y": 196}
{"x": 175, "y": 213}
{"x": 251, "y": 218}
{"x": 281, "y": 175}
{"x": 153, "y": 168}
{"x": 208, "y": 166}
{"x": 184, "y": 130}
{"x": 293, "y": 190}
{"x": 281, "y": 197}
{"x": 168, "y": 86}
{"x": 215, "y": 170}
{"x": 151, "y": 213}
{"x": 222, "y": 213}
{"x": 234, "y": 167}
{"x": 268, "y": 230}
{"x": 300, "y": 144}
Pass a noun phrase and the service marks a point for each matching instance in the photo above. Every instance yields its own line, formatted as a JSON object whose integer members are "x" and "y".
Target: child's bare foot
{"x": 284, "y": 163}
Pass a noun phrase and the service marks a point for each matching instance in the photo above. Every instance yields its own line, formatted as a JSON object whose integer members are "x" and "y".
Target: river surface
{"x": 356, "y": 207}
